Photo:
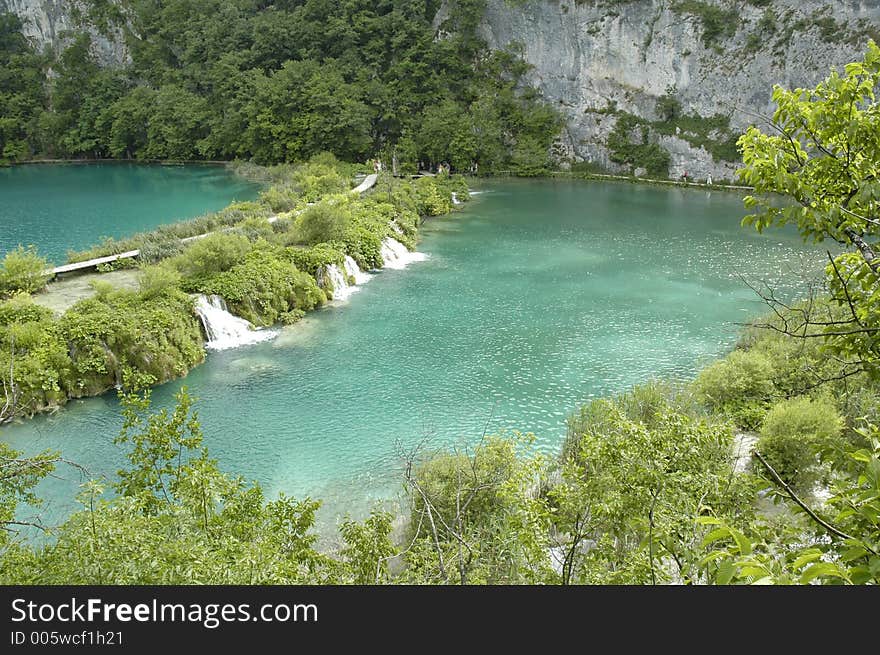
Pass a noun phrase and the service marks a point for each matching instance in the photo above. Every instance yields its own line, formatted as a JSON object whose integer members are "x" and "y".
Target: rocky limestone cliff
{"x": 593, "y": 58}
{"x": 600, "y": 60}
{"x": 49, "y": 22}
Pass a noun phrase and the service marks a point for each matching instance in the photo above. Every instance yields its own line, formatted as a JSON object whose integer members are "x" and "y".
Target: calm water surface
{"x": 536, "y": 297}
{"x": 61, "y": 207}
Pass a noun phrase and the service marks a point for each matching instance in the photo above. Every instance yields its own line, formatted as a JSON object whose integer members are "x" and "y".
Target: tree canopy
{"x": 817, "y": 169}
{"x": 275, "y": 81}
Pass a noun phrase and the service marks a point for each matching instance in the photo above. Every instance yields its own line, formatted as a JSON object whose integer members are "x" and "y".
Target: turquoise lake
{"x": 74, "y": 206}
{"x": 536, "y": 297}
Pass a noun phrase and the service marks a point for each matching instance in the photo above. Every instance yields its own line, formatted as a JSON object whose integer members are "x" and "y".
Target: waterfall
{"x": 455, "y": 200}
{"x": 345, "y": 281}
{"x": 225, "y": 330}
{"x": 396, "y": 255}
{"x": 353, "y": 270}
{"x": 341, "y": 288}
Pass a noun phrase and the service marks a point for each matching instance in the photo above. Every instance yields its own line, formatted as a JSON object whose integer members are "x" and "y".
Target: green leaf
{"x": 726, "y": 571}
{"x": 808, "y": 556}
{"x": 823, "y": 569}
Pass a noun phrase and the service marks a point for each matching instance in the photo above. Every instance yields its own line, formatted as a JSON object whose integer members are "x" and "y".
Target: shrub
{"x": 21, "y": 309}
{"x": 119, "y": 335}
{"x": 629, "y": 144}
{"x": 23, "y": 269}
{"x": 313, "y": 181}
{"x": 158, "y": 247}
{"x": 313, "y": 258}
{"x": 280, "y": 199}
{"x": 433, "y": 199}
{"x": 668, "y": 107}
{"x": 739, "y": 386}
{"x": 264, "y": 287}
{"x": 645, "y": 404}
{"x": 157, "y": 280}
{"x": 364, "y": 247}
{"x": 291, "y": 317}
{"x": 446, "y": 477}
{"x": 325, "y": 221}
{"x": 457, "y": 184}
{"x": 795, "y": 432}
{"x": 717, "y": 23}
{"x": 212, "y": 254}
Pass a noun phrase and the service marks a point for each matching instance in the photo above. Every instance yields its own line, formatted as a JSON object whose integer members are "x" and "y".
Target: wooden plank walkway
{"x": 91, "y": 263}
{"x": 368, "y": 183}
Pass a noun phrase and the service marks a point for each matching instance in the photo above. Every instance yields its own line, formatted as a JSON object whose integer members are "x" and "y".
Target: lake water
{"x": 536, "y": 297}
{"x": 74, "y": 206}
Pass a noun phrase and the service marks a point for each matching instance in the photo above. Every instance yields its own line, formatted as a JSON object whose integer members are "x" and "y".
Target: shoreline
{"x": 395, "y": 254}
{"x": 551, "y": 174}
{"x": 152, "y": 162}
{"x": 56, "y": 403}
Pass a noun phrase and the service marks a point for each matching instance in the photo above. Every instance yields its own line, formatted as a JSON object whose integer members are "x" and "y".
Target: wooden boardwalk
{"x": 91, "y": 263}
{"x": 368, "y": 183}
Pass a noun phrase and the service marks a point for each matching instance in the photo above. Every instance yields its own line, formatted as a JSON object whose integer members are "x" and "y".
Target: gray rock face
{"x": 592, "y": 54}
{"x": 48, "y": 23}
{"x": 589, "y": 55}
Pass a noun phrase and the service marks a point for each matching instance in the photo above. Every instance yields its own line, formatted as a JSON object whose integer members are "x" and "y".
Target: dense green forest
{"x": 275, "y": 82}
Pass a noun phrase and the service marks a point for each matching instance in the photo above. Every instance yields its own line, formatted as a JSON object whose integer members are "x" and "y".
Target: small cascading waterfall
{"x": 345, "y": 280}
{"x": 396, "y": 255}
{"x": 455, "y": 200}
{"x": 353, "y": 270}
{"x": 224, "y": 330}
{"x": 341, "y": 288}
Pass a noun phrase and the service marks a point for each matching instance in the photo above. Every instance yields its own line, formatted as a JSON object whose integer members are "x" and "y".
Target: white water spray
{"x": 341, "y": 288}
{"x": 352, "y": 269}
{"x": 225, "y": 330}
{"x": 396, "y": 255}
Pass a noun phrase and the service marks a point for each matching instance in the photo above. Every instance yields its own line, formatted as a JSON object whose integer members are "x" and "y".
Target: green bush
{"x": 794, "y": 434}
{"x": 264, "y": 287}
{"x": 739, "y": 386}
{"x": 364, "y": 247}
{"x": 318, "y": 178}
{"x": 433, "y": 198}
{"x": 158, "y": 280}
{"x": 291, "y": 317}
{"x": 644, "y": 403}
{"x": 325, "y": 221}
{"x": 717, "y": 23}
{"x": 23, "y": 269}
{"x": 280, "y": 199}
{"x": 629, "y": 144}
{"x": 21, "y": 309}
{"x": 41, "y": 366}
{"x": 212, "y": 254}
{"x": 119, "y": 335}
{"x": 458, "y": 185}
{"x": 446, "y": 477}
{"x": 312, "y": 258}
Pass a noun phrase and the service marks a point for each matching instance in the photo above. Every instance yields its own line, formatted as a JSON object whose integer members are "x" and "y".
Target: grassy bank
{"x": 267, "y": 271}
